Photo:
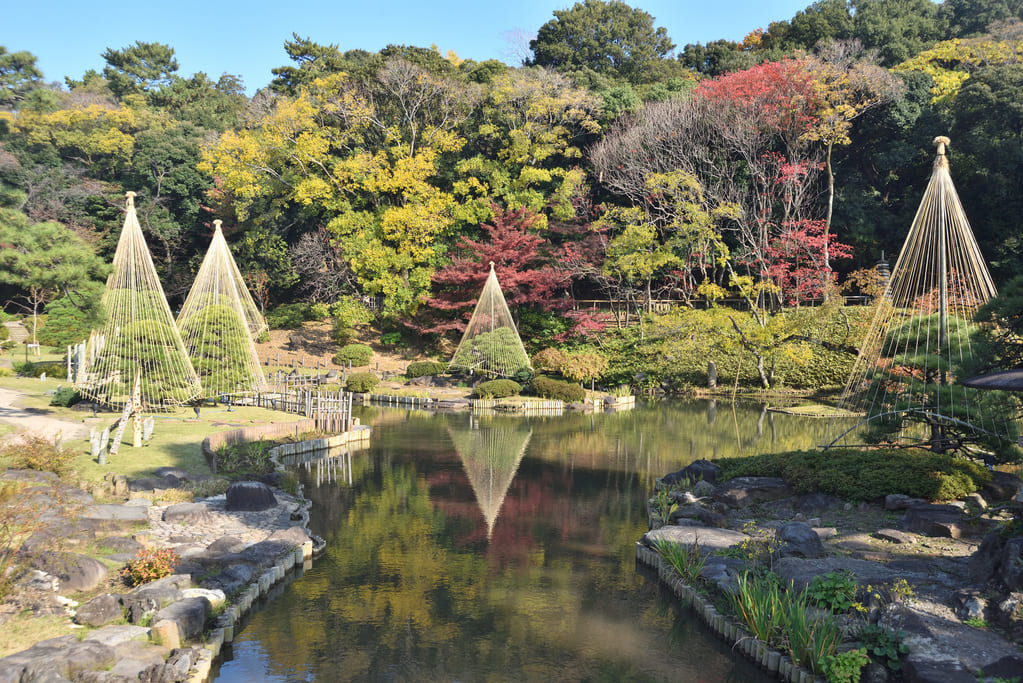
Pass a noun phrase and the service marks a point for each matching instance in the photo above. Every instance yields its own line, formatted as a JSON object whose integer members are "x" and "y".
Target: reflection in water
{"x": 491, "y": 451}
{"x": 333, "y": 468}
{"x": 412, "y": 587}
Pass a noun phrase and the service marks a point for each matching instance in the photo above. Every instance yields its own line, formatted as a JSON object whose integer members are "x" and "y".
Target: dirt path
{"x": 29, "y": 421}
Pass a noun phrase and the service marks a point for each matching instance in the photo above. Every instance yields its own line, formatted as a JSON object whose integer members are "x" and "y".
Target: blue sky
{"x": 247, "y": 38}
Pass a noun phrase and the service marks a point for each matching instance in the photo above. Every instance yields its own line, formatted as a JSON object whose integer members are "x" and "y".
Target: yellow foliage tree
{"x": 950, "y": 62}
{"x": 363, "y": 164}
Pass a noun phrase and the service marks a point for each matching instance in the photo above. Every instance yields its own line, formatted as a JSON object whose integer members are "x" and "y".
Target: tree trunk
{"x": 831, "y": 206}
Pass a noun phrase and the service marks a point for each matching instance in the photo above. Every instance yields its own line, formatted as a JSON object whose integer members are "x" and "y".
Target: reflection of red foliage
{"x": 534, "y": 510}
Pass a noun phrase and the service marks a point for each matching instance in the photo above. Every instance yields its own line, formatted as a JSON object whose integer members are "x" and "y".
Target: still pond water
{"x": 474, "y": 548}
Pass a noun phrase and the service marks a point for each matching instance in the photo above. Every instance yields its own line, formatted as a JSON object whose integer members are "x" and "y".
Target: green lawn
{"x": 176, "y": 438}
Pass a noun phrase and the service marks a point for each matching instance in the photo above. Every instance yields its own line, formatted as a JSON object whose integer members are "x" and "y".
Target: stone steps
{"x": 17, "y": 332}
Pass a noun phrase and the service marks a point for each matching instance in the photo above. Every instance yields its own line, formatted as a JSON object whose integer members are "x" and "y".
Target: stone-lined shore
{"x": 159, "y": 631}
{"x": 233, "y": 549}
{"x": 960, "y": 568}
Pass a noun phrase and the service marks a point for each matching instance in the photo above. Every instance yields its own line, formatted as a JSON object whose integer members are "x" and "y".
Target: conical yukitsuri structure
{"x": 922, "y": 335}
{"x": 218, "y": 322}
{"x": 140, "y": 340}
{"x": 491, "y": 345}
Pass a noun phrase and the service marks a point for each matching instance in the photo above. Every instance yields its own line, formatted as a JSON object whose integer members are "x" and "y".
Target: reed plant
{"x": 686, "y": 558}
{"x": 760, "y": 603}
{"x": 811, "y": 634}
{"x": 661, "y": 506}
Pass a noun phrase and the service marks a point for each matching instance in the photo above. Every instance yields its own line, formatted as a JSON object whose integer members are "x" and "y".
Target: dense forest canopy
{"x": 636, "y": 170}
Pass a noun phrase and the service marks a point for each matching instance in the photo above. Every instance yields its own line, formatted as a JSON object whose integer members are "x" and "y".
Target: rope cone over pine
{"x": 491, "y": 345}
{"x": 905, "y": 379}
{"x": 218, "y": 322}
{"x": 139, "y": 338}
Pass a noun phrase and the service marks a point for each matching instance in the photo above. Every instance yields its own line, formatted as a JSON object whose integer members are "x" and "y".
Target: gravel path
{"x": 27, "y": 421}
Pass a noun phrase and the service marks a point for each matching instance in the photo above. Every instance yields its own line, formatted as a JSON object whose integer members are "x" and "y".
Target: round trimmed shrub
{"x": 361, "y": 382}
{"x": 424, "y": 368}
{"x": 497, "y": 388}
{"x": 65, "y": 397}
{"x": 569, "y": 392}
{"x": 358, "y": 355}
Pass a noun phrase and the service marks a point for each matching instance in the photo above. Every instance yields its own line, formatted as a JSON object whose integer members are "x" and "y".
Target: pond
{"x": 476, "y": 548}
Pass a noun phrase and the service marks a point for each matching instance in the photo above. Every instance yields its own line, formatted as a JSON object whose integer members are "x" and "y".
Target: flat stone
{"x": 900, "y": 501}
{"x": 894, "y": 536}
{"x": 99, "y": 611}
{"x": 119, "y": 634}
{"x": 930, "y": 669}
{"x": 1008, "y": 667}
{"x": 939, "y": 521}
{"x": 802, "y": 571}
{"x": 214, "y": 596}
{"x": 814, "y": 503}
{"x": 122, "y": 513}
{"x": 134, "y": 657}
{"x": 742, "y": 492}
{"x": 708, "y": 538}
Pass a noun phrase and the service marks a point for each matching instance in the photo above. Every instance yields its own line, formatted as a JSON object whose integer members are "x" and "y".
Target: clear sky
{"x": 247, "y": 38}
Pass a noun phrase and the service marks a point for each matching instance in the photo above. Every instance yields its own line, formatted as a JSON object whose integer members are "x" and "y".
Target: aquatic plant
{"x": 686, "y": 558}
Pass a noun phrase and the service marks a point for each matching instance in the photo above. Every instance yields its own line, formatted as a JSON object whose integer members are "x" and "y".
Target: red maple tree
{"x": 521, "y": 261}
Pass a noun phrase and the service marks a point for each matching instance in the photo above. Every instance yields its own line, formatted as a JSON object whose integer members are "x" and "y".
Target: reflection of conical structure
{"x": 921, "y": 333}
{"x": 491, "y": 453}
{"x": 140, "y": 337}
{"x": 491, "y": 344}
{"x": 217, "y": 323}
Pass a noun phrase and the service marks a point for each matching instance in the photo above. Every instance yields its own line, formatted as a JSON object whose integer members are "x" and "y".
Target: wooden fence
{"x": 330, "y": 411}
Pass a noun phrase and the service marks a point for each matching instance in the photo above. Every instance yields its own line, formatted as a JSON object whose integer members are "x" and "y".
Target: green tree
{"x": 987, "y": 134}
{"x": 607, "y": 37}
{"x": 313, "y": 60}
{"x": 219, "y": 340}
{"x": 525, "y": 142}
{"x": 139, "y": 68}
{"x": 968, "y": 18}
{"x": 897, "y": 29}
{"x": 45, "y": 261}
{"x": 717, "y": 57}
{"x": 19, "y": 75}
{"x": 824, "y": 20}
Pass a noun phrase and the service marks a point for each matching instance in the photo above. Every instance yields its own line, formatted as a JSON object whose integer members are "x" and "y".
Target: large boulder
{"x": 250, "y": 496}
{"x": 76, "y": 572}
{"x": 99, "y": 611}
{"x": 742, "y": 492}
{"x": 188, "y": 514}
{"x": 189, "y": 614}
{"x": 798, "y": 539}
{"x": 65, "y": 657}
{"x": 940, "y": 521}
{"x": 144, "y": 601}
{"x": 1003, "y": 486}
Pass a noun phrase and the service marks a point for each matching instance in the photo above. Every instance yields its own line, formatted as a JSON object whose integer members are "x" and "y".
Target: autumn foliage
{"x": 521, "y": 261}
